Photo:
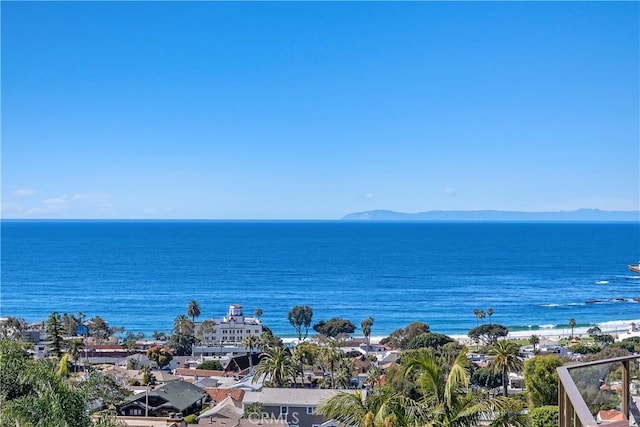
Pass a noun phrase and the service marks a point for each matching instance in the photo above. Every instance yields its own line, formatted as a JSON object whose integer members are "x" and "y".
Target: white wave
{"x": 550, "y": 305}
{"x": 602, "y": 282}
{"x": 549, "y": 326}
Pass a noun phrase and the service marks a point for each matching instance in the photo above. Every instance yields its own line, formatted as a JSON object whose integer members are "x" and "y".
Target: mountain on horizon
{"x": 495, "y": 215}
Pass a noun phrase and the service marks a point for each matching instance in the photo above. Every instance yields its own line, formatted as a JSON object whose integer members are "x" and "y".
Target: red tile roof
{"x": 219, "y": 394}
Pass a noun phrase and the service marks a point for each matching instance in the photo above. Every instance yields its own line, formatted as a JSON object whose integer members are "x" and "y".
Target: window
{"x": 310, "y": 410}
{"x": 135, "y": 411}
{"x": 284, "y": 410}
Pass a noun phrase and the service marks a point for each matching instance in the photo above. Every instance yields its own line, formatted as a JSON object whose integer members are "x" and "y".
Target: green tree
{"x": 12, "y": 328}
{"x": 213, "y": 365}
{"x": 98, "y": 329}
{"x": 250, "y": 342}
{"x": 181, "y": 344}
{"x": 75, "y": 349}
{"x": 330, "y": 355}
{"x": 476, "y": 312}
{"x": 258, "y": 313}
{"x": 534, "y": 340}
{"x": 429, "y": 339}
{"x": 32, "y": 394}
{"x": 182, "y": 325}
{"x": 541, "y": 380}
{"x": 490, "y": 313}
{"x": 147, "y": 376}
{"x": 193, "y": 310}
{"x": 593, "y": 331}
{"x": 55, "y": 333}
{"x": 572, "y": 324}
{"x": 159, "y": 336}
{"x": 334, "y": 327}
{"x": 485, "y": 377}
{"x": 207, "y": 327}
{"x": 300, "y": 317}
{"x": 160, "y": 355}
{"x": 488, "y": 334}
{"x": 277, "y": 365}
{"x": 254, "y": 411}
{"x": 506, "y": 359}
{"x": 400, "y": 338}
{"x": 366, "y": 325}
{"x": 70, "y": 324}
{"x": 444, "y": 399}
{"x": 545, "y": 416}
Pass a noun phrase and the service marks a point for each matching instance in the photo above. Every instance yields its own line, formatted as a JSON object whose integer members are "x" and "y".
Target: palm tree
{"x": 490, "y": 313}
{"x": 258, "y": 313}
{"x": 75, "y": 347}
{"x": 476, "y": 312}
{"x": 481, "y": 315}
{"x": 366, "y": 325}
{"x": 278, "y": 365}
{"x": 193, "y": 310}
{"x": 505, "y": 359}
{"x": 330, "y": 355}
{"x": 250, "y": 342}
{"x": 445, "y": 399}
{"x": 572, "y": 324}
{"x": 534, "y": 340}
{"x": 182, "y": 325}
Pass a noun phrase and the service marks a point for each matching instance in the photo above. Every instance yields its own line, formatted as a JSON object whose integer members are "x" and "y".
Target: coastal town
{"x": 231, "y": 370}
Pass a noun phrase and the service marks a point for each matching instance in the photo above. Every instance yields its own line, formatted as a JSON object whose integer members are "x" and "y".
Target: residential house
{"x": 296, "y": 406}
{"x": 171, "y": 398}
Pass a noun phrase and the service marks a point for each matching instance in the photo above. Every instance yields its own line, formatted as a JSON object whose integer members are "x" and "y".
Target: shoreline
{"x": 552, "y": 334}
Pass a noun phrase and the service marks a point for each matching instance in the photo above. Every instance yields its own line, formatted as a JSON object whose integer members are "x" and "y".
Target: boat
{"x": 635, "y": 267}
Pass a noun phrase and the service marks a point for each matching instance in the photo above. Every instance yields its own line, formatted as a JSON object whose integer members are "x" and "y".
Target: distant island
{"x": 589, "y": 215}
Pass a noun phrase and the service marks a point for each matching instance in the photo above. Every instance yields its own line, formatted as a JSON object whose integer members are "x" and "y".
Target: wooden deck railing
{"x": 573, "y": 409}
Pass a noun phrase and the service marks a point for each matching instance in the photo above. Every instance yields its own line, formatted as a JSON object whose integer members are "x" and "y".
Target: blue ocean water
{"x": 142, "y": 274}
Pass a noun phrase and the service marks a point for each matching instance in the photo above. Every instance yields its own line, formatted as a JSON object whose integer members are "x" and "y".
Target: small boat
{"x": 635, "y": 267}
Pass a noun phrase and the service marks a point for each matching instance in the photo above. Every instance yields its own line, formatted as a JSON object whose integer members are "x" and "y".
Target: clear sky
{"x": 304, "y": 110}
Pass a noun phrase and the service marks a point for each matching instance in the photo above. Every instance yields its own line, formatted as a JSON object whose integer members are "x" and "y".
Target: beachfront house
{"x": 227, "y": 334}
{"x": 296, "y": 406}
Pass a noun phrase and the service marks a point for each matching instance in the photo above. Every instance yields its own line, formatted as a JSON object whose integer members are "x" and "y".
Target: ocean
{"x": 142, "y": 274}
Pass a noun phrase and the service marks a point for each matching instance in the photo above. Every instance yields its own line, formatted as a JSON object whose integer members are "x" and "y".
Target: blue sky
{"x": 304, "y": 110}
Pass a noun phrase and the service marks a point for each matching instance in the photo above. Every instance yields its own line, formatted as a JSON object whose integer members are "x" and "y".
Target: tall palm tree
{"x": 278, "y": 365}
{"x": 534, "y": 340}
{"x": 366, "y": 325}
{"x": 572, "y": 324}
{"x": 330, "y": 355}
{"x": 258, "y": 313}
{"x": 250, "y": 342}
{"x": 481, "y": 315}
{"x": 490, "y": 313}
{"x": 476, "y": 312}
{"x": 193, "y": 310}
{"x": 505, "y": 359}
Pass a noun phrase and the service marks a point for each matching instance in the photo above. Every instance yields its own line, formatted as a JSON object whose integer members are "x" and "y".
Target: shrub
{"x": 191, "y": 419}
{"x": 545, "y": 416}
{"x": 213, "y": 365}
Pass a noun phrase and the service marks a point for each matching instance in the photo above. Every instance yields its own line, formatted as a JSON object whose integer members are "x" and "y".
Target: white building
{"x": 227, "y": 333}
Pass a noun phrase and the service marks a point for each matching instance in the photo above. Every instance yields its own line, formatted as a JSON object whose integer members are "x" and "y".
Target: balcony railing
{"x": 574, "y": 411}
